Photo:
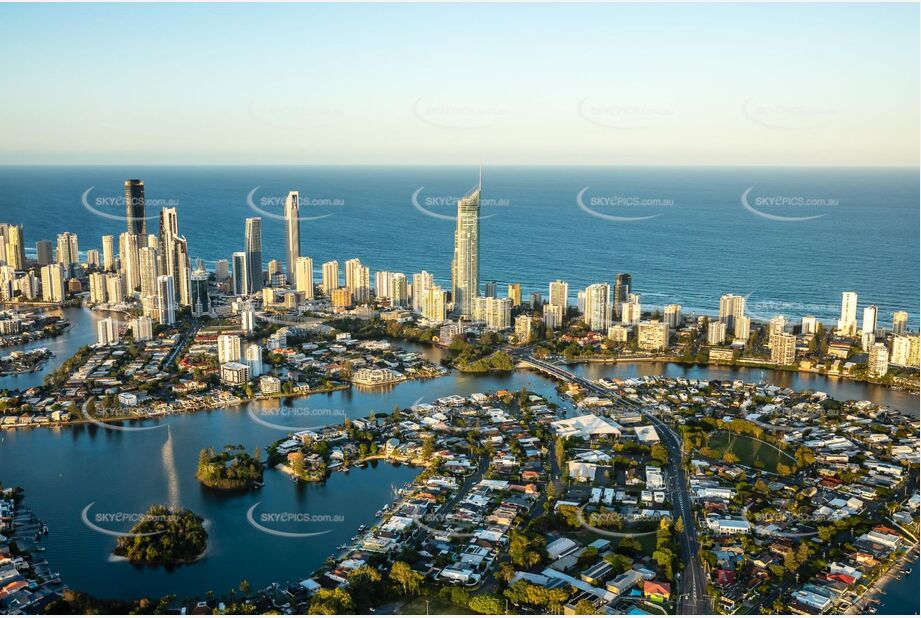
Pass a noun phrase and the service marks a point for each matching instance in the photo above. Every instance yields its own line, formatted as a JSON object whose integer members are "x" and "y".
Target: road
{"x": 692, "y": 589}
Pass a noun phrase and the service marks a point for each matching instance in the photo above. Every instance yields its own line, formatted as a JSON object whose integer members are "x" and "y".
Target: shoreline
{"x": 734, "y": 365}
{"x": 877, "y": 589}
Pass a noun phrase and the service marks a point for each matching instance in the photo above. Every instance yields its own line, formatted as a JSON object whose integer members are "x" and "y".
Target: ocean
{"x": 790, "y": 239}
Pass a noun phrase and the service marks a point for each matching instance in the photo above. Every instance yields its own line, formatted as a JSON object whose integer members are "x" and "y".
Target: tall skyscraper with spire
{"x": 253, "y": 251}
{"x": 134, "y": 206}
{"x": 292, "y": 208}
{"x": 465, "y": 269}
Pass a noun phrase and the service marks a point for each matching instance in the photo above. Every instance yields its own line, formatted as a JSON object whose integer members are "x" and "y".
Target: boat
{"x": 906, "y": 571}
{"x": 379, "y": 514}
{"x": 362, "y": 528}
{"x": 39, "y": 548}
{"x": 341, "y": 547}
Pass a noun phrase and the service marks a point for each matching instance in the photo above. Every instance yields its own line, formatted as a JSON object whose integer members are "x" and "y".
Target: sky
{"x": 515, "y": 84}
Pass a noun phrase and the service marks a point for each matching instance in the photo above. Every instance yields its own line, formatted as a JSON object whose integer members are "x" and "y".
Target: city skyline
{"x": 662, "y": 356}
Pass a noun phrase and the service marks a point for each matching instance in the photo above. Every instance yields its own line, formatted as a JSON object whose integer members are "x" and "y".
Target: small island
{"x": 231, "y": 468}
{"x": 164, "y": 536}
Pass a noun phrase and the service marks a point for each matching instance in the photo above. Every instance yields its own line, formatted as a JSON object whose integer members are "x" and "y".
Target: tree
{"x": 403, "y": 574}
{"x": 331, "y": 601}
{"x": 487, "y": 604}
{"x": 619, "y": 563}
{"x": 585, "y": 608}
{"x": 296, "y": 459}
{"x": 679, "y": 525}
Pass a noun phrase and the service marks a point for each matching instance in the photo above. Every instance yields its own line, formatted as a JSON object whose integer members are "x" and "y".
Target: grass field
{"x": 750, "y": 452}
{"x": 437, "y": 607}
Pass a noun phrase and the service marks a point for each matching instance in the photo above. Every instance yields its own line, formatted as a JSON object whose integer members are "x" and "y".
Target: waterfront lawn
{"x": 436, "y": 606}
{"x": 750, "y": 452}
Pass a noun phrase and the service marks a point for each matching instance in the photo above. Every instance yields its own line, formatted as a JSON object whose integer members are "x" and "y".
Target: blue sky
{"x": 716, "y": 84}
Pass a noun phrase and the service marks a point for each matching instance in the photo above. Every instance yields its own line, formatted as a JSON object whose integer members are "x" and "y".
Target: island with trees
{"x": 231, "y": 468}
{"x": 164, "y": 536}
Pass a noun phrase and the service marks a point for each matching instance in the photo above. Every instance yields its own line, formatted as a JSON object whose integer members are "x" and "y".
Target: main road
{"x": 692, "y": 597}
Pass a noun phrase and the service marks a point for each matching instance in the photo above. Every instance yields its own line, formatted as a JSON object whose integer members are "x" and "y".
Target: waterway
{"x": 114, "y": 475}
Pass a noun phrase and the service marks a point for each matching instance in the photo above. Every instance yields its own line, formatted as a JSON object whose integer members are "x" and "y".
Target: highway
{"x": 692, "y": 595}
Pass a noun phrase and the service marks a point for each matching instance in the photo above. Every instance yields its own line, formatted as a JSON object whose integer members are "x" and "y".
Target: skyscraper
{"x": 514, "y": 292}
{"x": 847, "y": 324}
{"x": 53, "y": 283}
{"x": 239, "y": 273}
{"x": 623, "y": 284}
{"x": 466, "y": 266}
{"x": 358, "y": 281}
{"x": 13, "y": 245}
{"x": 108, "y": 252}
{"x": 166, "y": 300}
{"x": 330, "y": 277}
{"x": 44, "y": 253}
{"x": 134, "y": 206}
{"x": 303, "y": 276}
{"x": 253, "y": 250}
{"x": 559, "y": 294}
{"x": 673, "y": 316}
{"x": 129, "y": 261}
{"x": 68, "y": 252}
{"x": 421, "y": 284}
{"x": 149, "y": 269}
{"x": 293, "y": 223}
{"x": 201, "y": 301}
{"x": 899, "y": 322}
{"x": 598, "y": 306}
{"x": 732, "y": 309}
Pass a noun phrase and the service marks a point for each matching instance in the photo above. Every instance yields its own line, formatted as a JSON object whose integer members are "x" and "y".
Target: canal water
{"x": 83, "y": 476}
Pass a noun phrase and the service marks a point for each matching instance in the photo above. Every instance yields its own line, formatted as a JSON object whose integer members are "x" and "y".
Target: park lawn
{"x": 750, "y": 452}
{"x": 438, "y": 607}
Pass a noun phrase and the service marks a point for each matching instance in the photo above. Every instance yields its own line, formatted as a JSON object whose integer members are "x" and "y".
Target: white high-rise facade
{"x": 293, "y": 225}
{"x": 166, "y": 300}
{"x": 53, "y": 283}
{"x": 847, "y": 323}
{"x": 673, "y": 316}
{"x": 878, "y": 362}
{"x": 598, "y": 307}
{"x": 330, "y": 277}
{"x": 229, "y": 349}
{"x": 106, "y": 331}
{"x": 421, "y": 284}
{"x": 358, "y": 281}
{"x": 303, "y": 276}
{"x": 732, "y": 307}
{"x": 108, "y": 252}
{"x": 496, "y": 312}
{"x": 465, "y": 268}
{"x": 559, "y": 294}
{"x": 899, "y": 322}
